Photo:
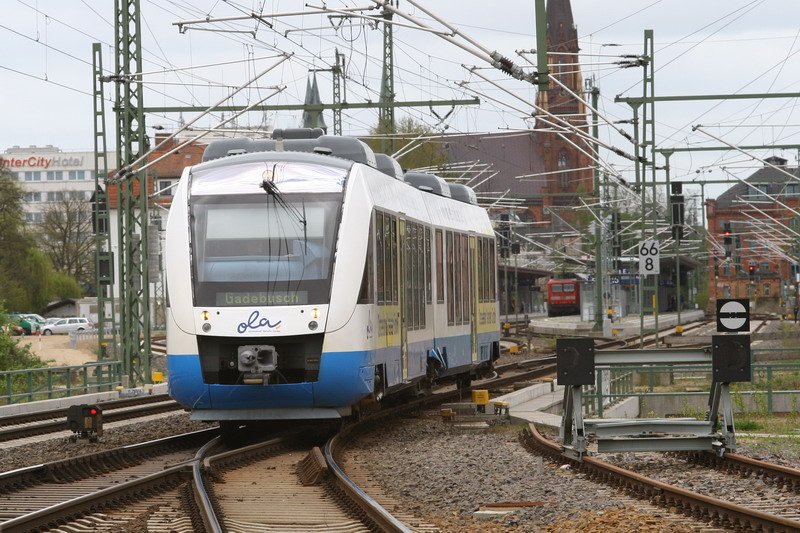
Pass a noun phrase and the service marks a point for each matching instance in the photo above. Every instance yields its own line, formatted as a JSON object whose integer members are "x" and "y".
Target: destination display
{"x": 235, "y": 299}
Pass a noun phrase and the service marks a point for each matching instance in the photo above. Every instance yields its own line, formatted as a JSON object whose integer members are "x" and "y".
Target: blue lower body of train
{"x": 344, "y": 379}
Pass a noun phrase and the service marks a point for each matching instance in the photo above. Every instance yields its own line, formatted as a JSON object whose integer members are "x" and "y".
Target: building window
{"x": 34, "y": 217}
{"x": 758, "y": 192}
{"x": 563, "y": 177}
{"x": 75, "y": 174}
{"x": 55, "y": 175}
{"x": 562, "y": 160}
{"x": 33, "y": 197}
{"x": 165, "y": 188}
{"x": 55, "y": 196}
{"x": 766, "y": 290}
{"x": 33, "y": 175}
{"x": 792, "y": 189}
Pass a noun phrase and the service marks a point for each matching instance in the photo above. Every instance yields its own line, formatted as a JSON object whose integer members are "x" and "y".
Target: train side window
{"x": 489, "y": 270}
{"x": 456, "y": 279}
{"x": 439, "y": 267}
{"x": 493, "y": 270}
{"x": 408, "y": 305}
{"x": 450, "y": 280}
{"x": 380, "y": 246}
{"x": 366, "y": 295}
{"x": 421, "y": 274}
{"x": 411, "y": 274}
{"x": 465, "y": 288}
{"x": 394, "y": 258}
{"x": 481, "y": 270}
{"x": 556, "y": 287}
{"x": 569, "y": 287}
{"x": 427, "y": 255}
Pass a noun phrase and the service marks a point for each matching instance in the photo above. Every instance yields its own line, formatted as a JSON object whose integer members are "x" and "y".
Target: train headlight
{"x": 315, "y": 313}
{"x": 205, "y": 315}
{"x": 206, "y": 327}
{"x": 313, "y": 325}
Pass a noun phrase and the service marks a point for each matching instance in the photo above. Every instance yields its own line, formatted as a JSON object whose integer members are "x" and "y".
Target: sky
{"x": 708, "y": 47}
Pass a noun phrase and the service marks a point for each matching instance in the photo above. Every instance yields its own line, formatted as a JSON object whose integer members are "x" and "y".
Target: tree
{"x": 27, "y": 279}
{"x": 67, "y": 237}
{"x": 15, "y": 355}
{"x": 429, "y": 154}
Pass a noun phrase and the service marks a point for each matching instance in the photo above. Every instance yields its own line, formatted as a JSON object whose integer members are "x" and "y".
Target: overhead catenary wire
{"x": 127, "y": 169}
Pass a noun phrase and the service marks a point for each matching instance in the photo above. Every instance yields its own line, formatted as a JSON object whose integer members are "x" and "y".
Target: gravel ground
{"x": 742, "y": 489}
{"x": 444, "y": 474}
{"x": 60, "y": 448}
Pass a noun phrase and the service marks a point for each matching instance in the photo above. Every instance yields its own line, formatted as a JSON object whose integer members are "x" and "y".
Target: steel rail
{"x": 687, "y": 501}
{"x": 733, "y": 461}
{"x": 117, "y": 458}
{"x": 374, "y": 511}
{"x": 149, "y": 409}
{"x": 60, "y": 513}
{"x": 36, "y": 416}
{"x": 201, "y": 498}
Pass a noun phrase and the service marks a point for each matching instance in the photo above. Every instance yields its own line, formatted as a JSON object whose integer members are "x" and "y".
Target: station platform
{"x": 621, "y": 327}
{"x": 535, "y": 403}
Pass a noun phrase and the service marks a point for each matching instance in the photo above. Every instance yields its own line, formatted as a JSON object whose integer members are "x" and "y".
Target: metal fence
{"x": 59, "y": 382}
{"x": 775, "y": 387}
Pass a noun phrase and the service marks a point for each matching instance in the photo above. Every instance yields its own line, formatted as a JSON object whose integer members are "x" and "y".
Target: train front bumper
{"x": 344, "y": 379}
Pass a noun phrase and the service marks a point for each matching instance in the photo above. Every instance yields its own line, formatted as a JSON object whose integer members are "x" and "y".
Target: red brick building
{"x": 748, "y": 260}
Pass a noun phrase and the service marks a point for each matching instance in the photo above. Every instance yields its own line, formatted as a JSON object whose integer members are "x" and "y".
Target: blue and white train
{"x": 308, "y": 278}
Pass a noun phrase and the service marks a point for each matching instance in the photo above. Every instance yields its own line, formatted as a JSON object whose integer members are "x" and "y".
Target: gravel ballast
{"x": 443, "y": 474}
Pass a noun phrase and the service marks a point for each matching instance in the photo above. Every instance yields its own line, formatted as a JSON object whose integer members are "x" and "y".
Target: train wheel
{"x": 378, "y": 387}
{"x": 424, "y": 387}
{"x": 230, "y": 432}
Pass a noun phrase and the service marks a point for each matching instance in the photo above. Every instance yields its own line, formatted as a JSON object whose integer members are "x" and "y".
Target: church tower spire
{"x": 567, "y": 166}
{"x": 562, "y": 51}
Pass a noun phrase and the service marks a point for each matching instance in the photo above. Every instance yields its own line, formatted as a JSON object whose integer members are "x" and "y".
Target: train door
{"x": 402, "y": 280}
{"x": 473, "y": 296}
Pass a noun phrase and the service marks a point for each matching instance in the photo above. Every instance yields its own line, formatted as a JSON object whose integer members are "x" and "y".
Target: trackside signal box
{"x": 85, "y": 421}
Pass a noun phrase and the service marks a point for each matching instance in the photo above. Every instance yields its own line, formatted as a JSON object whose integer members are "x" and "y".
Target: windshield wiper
{"x": 272, "y": 190}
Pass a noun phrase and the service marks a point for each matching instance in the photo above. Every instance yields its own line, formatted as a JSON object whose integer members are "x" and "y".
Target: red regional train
{"x": 563, "y": 297}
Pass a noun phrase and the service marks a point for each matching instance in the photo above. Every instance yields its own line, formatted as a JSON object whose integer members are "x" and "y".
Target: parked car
{"x": 51, "y": 320}
{"x": 13, "y": 330}
{"x": 29, "y": 322}
{"x": 67, "y": 325}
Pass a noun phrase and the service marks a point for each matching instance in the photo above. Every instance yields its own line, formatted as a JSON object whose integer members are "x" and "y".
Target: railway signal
{"x": 727, "y": 239}
{"x": 733, "y": 315}
{"x": 85, "y": 421}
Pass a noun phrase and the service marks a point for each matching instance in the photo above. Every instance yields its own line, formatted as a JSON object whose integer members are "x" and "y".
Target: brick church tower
{"x": 561, "y": 159}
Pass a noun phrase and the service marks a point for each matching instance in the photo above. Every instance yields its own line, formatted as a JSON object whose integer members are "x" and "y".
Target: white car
{"x": 66, "y": 325}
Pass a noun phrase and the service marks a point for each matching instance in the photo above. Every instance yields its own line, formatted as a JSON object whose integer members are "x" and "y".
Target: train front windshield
{"x": 253, "y": 248}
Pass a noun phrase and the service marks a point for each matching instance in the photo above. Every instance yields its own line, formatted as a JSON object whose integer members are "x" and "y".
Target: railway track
{"x": 46, "y": 495}
{"x": 178, "y": 491}
{"x": 43, "y": 422}
{"x": 746, "y": 512}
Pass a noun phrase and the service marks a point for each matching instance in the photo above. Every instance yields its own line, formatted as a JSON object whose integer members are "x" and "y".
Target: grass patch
{"x": 775, "y": 445}
{"x": 788, "y": 424}
{"x": 748, "y": 425}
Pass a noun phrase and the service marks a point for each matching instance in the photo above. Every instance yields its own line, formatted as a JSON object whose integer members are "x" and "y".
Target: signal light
{"x": 752, "y": 270}
{"x": 726, "y": 227}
